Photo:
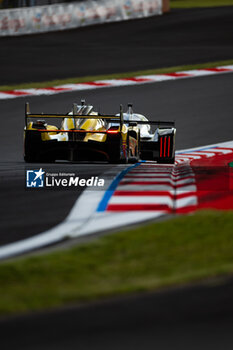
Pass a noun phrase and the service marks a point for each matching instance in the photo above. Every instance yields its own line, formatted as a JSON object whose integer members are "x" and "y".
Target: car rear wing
{"x": 162, "y": 123}
{"x": 108, "y": 117}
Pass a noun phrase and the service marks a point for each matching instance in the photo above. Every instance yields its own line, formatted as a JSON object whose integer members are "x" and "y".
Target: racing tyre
{"x": 116, "y": 157}
{"x": 171, "y": 161}
{"x": 126, "y": 159}
{"x": 136, "y": 158}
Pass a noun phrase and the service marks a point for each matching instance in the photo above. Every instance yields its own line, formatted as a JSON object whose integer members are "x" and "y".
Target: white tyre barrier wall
{"x": 40, "y": 19}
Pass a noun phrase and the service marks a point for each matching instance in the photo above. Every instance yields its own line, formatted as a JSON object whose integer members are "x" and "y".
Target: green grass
{"x": 113, "y": 76}
{"x": 199, "y": 3}
{"x": 178, "y": 251}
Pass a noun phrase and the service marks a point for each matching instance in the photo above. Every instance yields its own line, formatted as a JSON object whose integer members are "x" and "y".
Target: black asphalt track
{"x": 180, "y": 37}
{"x": 189, "y": 318}
{"x": 202, "y": 108}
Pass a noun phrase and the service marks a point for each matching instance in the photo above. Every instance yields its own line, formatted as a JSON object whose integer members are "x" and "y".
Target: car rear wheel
{"x": 121, "y": 155}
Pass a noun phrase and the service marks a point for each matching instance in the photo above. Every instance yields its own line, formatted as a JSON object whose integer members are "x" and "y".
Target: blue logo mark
{"x": 35, "y": 178}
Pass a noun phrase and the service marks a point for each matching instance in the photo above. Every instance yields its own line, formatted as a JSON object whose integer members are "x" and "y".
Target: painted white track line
{"x": 91, "y": 213}
{"x": 98, "y": 84}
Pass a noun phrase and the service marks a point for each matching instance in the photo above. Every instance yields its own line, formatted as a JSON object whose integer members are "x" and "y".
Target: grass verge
{"x": 114, "y": 76}
{"x": 199, "y": 3}
{"x": 181, "y": 250}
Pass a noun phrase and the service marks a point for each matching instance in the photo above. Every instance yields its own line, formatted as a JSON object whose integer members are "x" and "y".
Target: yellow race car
{"x": 82, "y": 134}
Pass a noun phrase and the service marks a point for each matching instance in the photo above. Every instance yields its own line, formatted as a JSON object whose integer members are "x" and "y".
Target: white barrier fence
{"x": 40, "y": 19}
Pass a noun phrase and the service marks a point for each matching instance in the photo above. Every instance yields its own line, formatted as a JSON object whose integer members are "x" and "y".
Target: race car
{"x": 84, "y": 134}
